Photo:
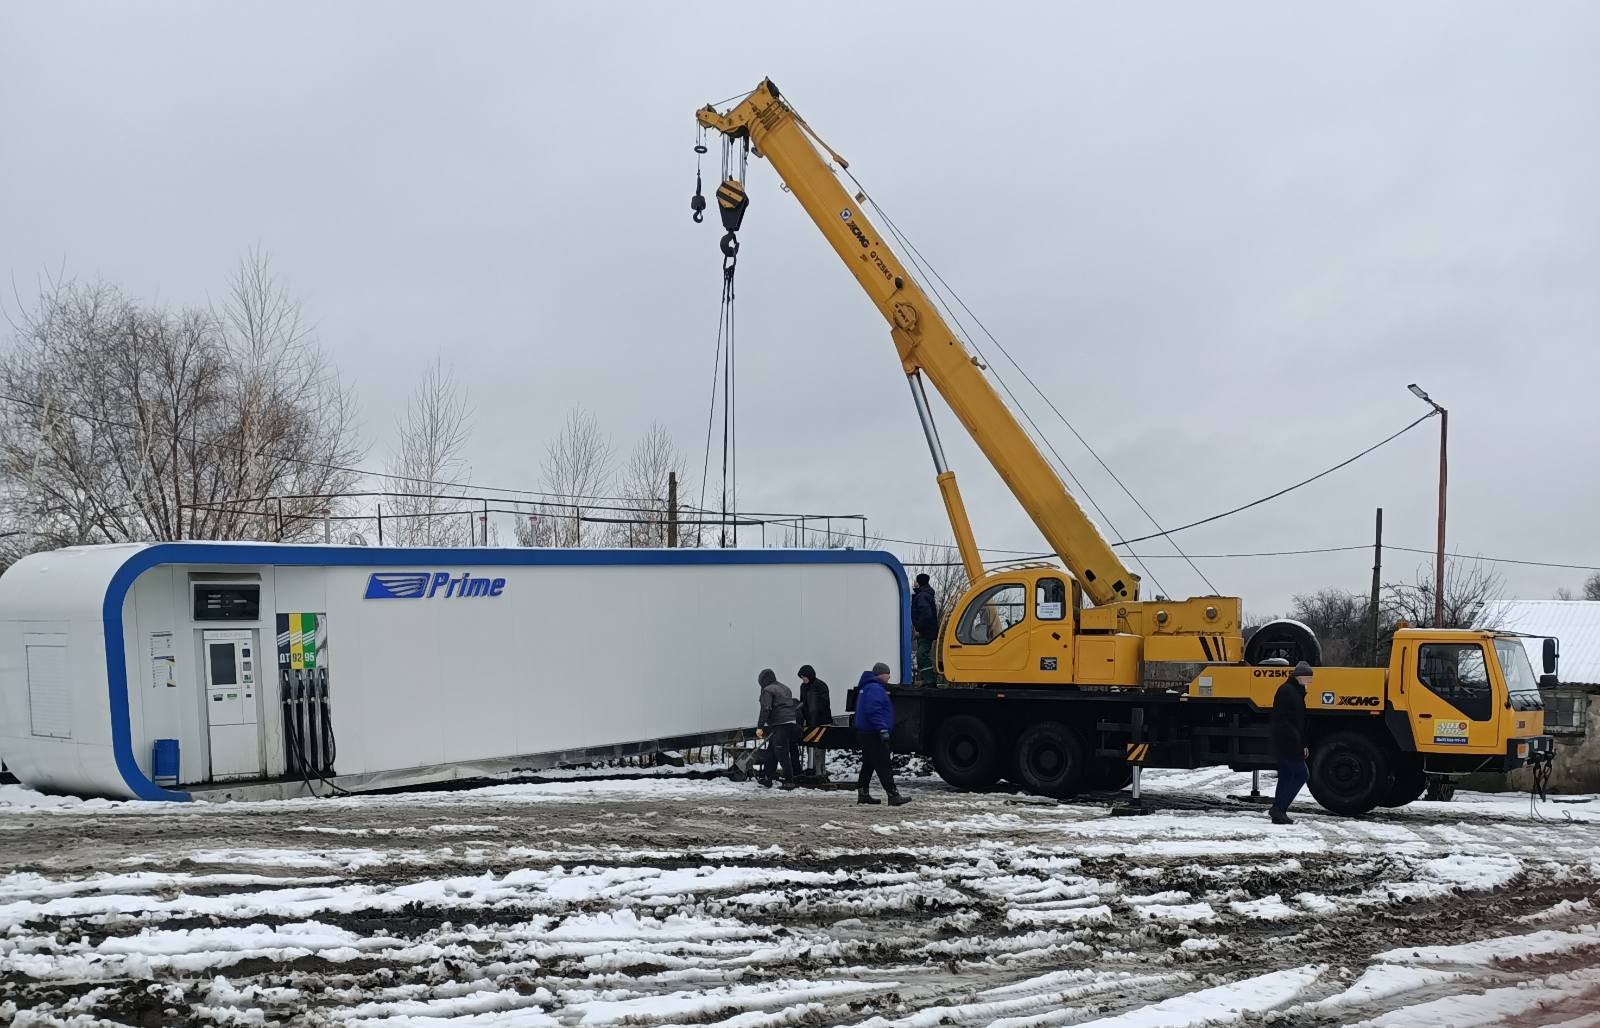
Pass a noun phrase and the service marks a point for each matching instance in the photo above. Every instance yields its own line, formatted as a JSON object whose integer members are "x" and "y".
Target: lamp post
{"x": 1438, "y": 565}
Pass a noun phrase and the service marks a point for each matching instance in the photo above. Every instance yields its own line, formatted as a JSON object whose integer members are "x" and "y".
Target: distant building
{"x": 1572, "y": 710}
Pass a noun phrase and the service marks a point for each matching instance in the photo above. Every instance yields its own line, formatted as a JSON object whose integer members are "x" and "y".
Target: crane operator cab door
{"x": 1017, "y": 631}
{"x": 232, "y": 670}
{"x": 987, "y": 640}
{"x": 1455, "y": 697}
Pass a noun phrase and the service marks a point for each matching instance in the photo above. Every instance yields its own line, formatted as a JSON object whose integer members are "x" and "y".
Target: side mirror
{"x": 1551, "y": 655}
{"x": 1548, "y": 681}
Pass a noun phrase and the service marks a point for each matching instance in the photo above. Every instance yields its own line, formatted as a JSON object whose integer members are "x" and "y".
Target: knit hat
{"x": 1301, "y": 670}
{"x": 807, "y": 671}
{"x": 922, "y": 579}
{"x": 880, "y": 668}
{"x": 766, "y": 677}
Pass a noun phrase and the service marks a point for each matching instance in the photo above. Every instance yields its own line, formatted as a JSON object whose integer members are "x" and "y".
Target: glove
{"x": 884, "y": 736}
{"x": 761, "y": 733}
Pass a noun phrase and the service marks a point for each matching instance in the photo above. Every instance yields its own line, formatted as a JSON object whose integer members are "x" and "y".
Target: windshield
{"x": 1520, "y": 682}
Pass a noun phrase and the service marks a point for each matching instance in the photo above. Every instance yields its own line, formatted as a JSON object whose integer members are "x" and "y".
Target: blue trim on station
{"x": 227, "y": 554}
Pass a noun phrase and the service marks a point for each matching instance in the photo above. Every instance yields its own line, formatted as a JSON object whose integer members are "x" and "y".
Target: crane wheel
{"x": 1051, "y": 759}
{"x": 966, "y": 753}
{"x": 1106, "y": 774}
{"x": 1283, "y": 640}
{"x": 1410, "y": 782}
{"x": 1351, "y": 773}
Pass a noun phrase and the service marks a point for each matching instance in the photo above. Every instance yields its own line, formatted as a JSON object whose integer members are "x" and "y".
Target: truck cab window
{"x": 995, "y": 611}
{"x": 1050, "y": 599}
{"x": 1458, "y": 674}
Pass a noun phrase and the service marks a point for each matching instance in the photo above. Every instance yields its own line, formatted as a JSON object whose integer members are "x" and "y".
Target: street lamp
{"x": 1438, "y": 565}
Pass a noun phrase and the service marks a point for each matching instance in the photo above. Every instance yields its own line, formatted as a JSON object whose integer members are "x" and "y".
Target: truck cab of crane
{"x": 1466, "y": 694}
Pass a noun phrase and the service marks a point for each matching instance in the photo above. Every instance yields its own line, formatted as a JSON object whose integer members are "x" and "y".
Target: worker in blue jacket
{"x": 873, "y": 721}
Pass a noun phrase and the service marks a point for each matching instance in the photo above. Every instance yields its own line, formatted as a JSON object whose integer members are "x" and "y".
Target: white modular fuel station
{"x": 175, "y": 670}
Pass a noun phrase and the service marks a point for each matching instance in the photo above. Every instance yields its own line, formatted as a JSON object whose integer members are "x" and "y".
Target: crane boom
{"x": 928, "y": 346}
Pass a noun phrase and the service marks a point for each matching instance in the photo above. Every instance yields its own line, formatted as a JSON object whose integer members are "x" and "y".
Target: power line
{"x": 1280, "y": 492}
{"x": 1502, "y": 560}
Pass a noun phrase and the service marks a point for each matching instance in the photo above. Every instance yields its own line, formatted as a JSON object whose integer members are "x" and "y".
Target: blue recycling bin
{"x": 166, "y": 763}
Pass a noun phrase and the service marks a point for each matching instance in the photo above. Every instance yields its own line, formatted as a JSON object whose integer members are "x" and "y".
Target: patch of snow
{"x": 1224, "y": 1003}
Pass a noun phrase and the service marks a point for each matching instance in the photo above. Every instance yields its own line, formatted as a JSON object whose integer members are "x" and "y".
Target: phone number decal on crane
{"x": 1450, "y": 732}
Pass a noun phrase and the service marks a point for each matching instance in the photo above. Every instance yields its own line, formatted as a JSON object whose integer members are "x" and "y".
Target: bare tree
{"x": 429, "y": 463}
{"x": 1342, "y": 621}
{"x": 126, "y": 422}
{"x": 1591, "y": 587}
{"x": 644, "y": 489}
{"x": 1474, "y": 596}
{"x": 577, "y": 469}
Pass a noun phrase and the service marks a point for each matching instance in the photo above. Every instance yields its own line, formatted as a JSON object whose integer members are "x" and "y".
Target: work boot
{"x": 765, "y": 783}
{"x": 863, "y": 796}
{"x": 788, "y": 787}
{"x": 1280, "y": 817}
{"x": 897, "y": 800}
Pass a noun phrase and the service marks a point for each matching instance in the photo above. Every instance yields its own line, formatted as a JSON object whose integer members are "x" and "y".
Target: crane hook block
{"x": 732, "y": 201}
{"x": 730, "y": 246}
{"x": 697, "y": 202}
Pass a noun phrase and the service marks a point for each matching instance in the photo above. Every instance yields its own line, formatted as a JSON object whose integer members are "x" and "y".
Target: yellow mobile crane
{"x": 1049, "y": 671}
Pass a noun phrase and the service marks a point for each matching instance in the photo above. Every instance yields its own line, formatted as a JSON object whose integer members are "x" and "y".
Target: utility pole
{"x": 1438, "y": 566}
{"x": 485, "y": 522}
{"x": 380, "y": 524}
{"x": 672, "y": 510}
{"x": 1377, "y": 575}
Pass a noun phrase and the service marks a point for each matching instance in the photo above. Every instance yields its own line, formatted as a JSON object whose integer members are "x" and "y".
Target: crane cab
{"x": 1021, "y": 627}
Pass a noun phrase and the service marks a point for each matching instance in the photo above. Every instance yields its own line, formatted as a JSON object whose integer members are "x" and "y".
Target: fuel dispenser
{"x": 231, "y": 663}
{"x": 308, "y": 744}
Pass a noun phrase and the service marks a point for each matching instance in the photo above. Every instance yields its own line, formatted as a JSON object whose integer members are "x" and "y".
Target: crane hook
{"x": 697, "y": 202}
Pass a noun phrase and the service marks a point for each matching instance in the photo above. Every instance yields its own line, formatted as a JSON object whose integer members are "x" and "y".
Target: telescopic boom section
{"x": 927, "y": 344}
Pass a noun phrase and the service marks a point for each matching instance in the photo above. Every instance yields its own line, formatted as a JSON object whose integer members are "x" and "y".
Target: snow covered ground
{"x": 670, "y": 900}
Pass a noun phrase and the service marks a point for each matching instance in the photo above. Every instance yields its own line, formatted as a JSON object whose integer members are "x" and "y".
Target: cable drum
{"x": 1285, "y": 640}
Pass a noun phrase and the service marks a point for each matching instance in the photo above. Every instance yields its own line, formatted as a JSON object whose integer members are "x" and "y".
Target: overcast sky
{"x": 1223, "y": 238}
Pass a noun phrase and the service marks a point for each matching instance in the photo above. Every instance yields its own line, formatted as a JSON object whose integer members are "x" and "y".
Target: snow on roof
{"x": 1575, "y": 622}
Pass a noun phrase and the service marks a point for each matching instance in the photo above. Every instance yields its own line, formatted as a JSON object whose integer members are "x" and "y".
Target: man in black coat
{"x": 816, "y": 710}
{"x": 1288, "y": 729}
{"x": 924, "y": 629}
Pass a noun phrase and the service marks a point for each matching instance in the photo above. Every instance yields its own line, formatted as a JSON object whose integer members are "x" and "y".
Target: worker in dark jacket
{"x": 1288, "y": 729}
{"x": 779, "y": 724}
{"x": 924, "y": 629}
{"x": 816, "y": 711}
{"x": 873, "y": 721}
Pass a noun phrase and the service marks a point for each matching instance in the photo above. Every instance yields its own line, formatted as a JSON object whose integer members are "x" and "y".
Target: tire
{"x": 966, "y": 753}
{"x": 1051, "y": 759}
{"x": 1410, "y": 781}
{"x": 1106, "y": 774}
{"x": 1283, "y": 640}
{"x": 1350, "y": 773}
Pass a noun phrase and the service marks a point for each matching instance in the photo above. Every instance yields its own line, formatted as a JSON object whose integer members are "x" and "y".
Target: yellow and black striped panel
{"x": 730, "y": 194}
{"x": 1138, "y": 752}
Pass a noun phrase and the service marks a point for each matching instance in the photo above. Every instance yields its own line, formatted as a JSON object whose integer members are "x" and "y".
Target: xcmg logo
{"x": 425, "y": 585}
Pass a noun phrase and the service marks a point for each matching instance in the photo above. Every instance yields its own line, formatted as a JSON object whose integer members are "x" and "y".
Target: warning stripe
{"x": 1138, "y": 752}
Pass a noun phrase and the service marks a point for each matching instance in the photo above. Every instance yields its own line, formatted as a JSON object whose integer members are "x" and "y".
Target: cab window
{"x": 1457, "y": 674}
{"x": 992, "y": 614}
{"x": 1521, "y": 684}
{"x": 1050, "y": 599}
